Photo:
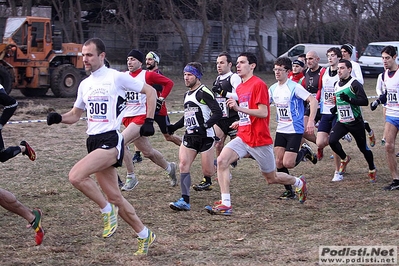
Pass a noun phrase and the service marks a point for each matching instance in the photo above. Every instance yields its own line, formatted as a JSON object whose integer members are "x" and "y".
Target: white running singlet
{"x": 102, "y": 94}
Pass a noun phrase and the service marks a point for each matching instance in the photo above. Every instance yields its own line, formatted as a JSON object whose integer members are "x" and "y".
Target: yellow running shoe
{"x": 144, "y": 244}
{"x": 110, "y": 220}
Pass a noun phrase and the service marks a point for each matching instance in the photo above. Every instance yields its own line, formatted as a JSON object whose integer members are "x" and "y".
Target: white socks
{"x": 131, "y": 176}
{"x": 107, "y": 208}
{"x": 143, "y": 233}
{"x": 226, "y": 200}
{"x": 298, "y": 183}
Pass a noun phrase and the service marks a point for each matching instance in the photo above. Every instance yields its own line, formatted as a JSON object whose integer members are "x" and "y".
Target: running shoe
{"x": 131, "y": 183}
{"x": 320, "y": 154}
{"x": 288, "y": 194}
{"x": 145, "y": 243}
{"x": 180, "y": 205}
{"x": 373, "y": 175}
{"x": 393, "y": 186}
{"x": 219, "y": 208}
{"x": 337, "y": 177}
{"x": 309, "y": 153}
{"x": 372, "y": 138}
{"x": 110, "y": 220}
{"x": 234, "y": 164}
{"x": 37, "y": 226}
{"x": 172, "y": 175}
{"x": 347, "y": 137}
{"x": 302, "y": 192}
{"x": 120, "y": 182}
{"x": 344, "y": 163}
{"x": 137, "y": 158}
{"x": 28, "y": 150}
{"x": 204, "y": 185}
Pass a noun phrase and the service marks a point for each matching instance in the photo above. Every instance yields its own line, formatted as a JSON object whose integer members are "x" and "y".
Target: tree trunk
{"x": 170, "y": 12}
{"x": 58, "y": 6}
{"x": 206, "y": 30}
{"x": 13, "y": 7}
{"x": 259, "y": 41}
{"x": 79, "y": 22}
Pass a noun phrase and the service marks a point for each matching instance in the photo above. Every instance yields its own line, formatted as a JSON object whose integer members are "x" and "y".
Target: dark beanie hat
{"x": 136, "y": 54}
{"x": 348, "y": 47}
{"x": 298, "y": 62}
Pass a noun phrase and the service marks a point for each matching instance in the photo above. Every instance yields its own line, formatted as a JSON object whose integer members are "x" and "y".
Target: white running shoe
{"x": 347, "y": 137}
{"x": 337, "y": 177}
{"x": 131, "y": 183}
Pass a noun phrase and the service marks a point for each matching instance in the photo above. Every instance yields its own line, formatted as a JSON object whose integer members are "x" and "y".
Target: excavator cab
{"x": 33, "y": 60}
{"x": 30, "y": 37}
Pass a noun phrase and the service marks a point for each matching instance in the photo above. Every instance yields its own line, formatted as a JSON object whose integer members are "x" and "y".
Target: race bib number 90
{"x": 190, "y": 120}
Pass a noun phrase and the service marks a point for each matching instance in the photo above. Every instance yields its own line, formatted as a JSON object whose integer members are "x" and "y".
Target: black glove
{"x": 383, "y": 98}
{"x": 53, "y": 118}
{"x": 344, "y": 97}
{"x": 147, "y": 129}
{"x": 218, "y": 89}
{"x": 374, "y": 104}
{"x": 333, "y": 110}
{"x": 171, "y": 129}
{"x": 159, "y": 104}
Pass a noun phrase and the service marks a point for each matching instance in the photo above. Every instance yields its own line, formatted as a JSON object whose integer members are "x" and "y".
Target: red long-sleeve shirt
{"x": 153, "y": 78}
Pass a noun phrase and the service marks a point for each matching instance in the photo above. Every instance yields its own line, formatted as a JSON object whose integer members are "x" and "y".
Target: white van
{"x": 370, "y": 61}
{"x": 303, "y": 48}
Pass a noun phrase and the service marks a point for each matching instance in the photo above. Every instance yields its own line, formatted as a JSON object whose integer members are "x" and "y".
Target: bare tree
{"x": 206, "y": 29}
{"x": 226, "y": 6}
{"x": 258, "y": 11}
{"x": 231, "y": 13}
{"x": 171, "y": 12}
{"x": 59, "y": 8}
{"x": 384, "y": 15}
{"x": 76, "y": 21}
{"x": 131, "y": 15}
{"x": 194, "y": 10}
{"x": 13, "y": 7}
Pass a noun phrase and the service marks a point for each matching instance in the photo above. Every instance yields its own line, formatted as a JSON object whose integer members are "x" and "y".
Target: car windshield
{"x": 300, "y": 49}
{"x": 373, "y": 50}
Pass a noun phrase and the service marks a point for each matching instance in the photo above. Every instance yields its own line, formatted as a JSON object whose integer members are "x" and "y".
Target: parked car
{"x": 370, "y": 61}
{"x": 321, "y": 49}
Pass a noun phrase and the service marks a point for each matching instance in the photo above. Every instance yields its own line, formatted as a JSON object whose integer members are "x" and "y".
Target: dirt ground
{"x": 262, "y": 230}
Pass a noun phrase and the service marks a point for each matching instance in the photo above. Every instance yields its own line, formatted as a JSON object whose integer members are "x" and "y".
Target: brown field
{"x": 262, "y": 230}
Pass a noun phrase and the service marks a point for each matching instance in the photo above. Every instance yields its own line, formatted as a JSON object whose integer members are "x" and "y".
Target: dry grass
{"x": 262, "y": 230}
